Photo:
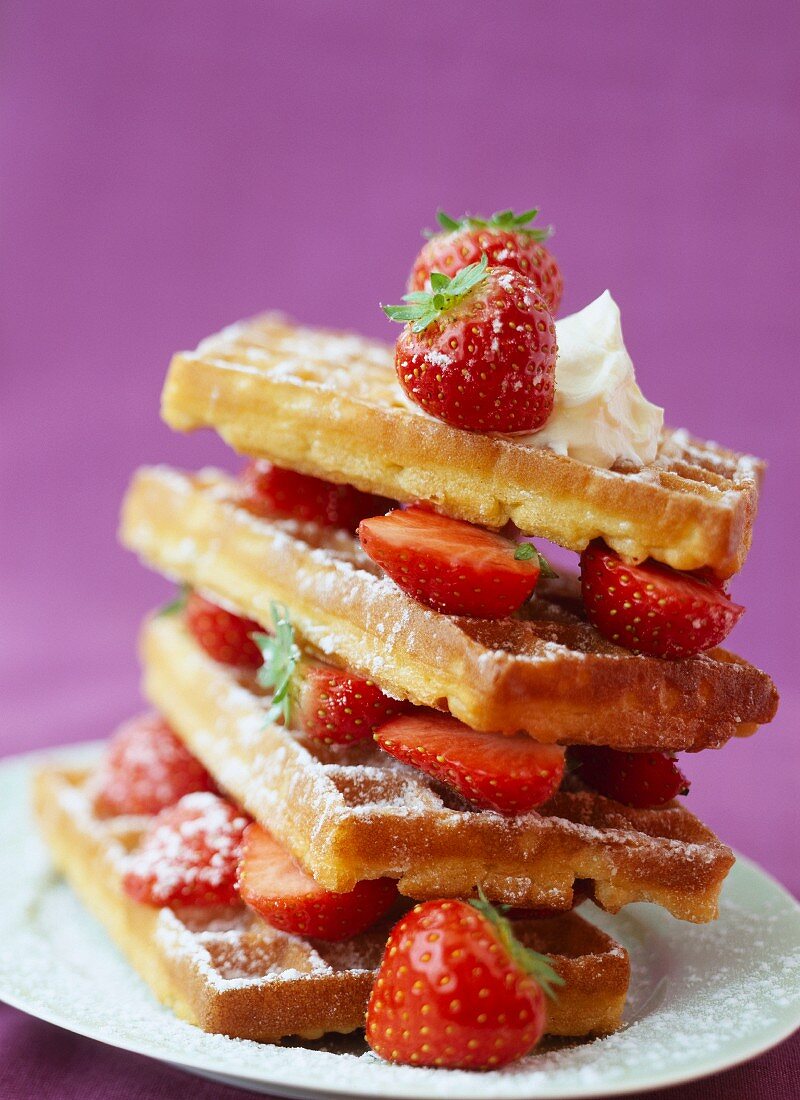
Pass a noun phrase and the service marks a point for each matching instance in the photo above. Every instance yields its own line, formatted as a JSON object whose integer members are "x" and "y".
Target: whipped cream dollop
{"x": 600, "y": 416}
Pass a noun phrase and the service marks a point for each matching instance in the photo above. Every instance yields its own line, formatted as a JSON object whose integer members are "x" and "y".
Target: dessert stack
{"x": 390, "y": 749}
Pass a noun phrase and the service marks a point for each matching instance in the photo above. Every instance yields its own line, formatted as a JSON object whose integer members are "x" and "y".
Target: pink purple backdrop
{"x": 170, "y": 167}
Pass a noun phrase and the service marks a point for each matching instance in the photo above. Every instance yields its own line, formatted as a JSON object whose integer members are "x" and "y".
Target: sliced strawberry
{"x": 273, "y": 491}
{"x": 273, "y": 884}
{"x": 224, "y": 636}
{"x": 653, "y": 609}
{"x": 339, "y": 707}
{"x": 451, "y": 566}
{"x": 146, "y": 768}
{"x": 508, "y": 774}
{"x": 639, "y": 779}
{"x": 188, "y": 855}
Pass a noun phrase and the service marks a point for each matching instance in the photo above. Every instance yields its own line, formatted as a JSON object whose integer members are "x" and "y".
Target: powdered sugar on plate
{"x": 702, "y": 997}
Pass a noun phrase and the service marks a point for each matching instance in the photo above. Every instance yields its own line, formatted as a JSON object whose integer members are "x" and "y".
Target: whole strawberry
{"x": 274, "y": 491}
{"x": 145, "y": 769}
{"x": 327, "y": 703}
{"x": 457, "y": 989}
{"x": 506, "y": 238}
{"x": 652, "y": 609}
{"x": 478, "y": 350}
{"x": 224, "y": 636}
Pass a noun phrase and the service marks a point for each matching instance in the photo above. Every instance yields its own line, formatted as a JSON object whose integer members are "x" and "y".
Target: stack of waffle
{"x": 329, "y": 405}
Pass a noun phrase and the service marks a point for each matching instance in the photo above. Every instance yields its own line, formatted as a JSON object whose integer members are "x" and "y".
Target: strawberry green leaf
{"x": 536, "y": 965}
{"x": 177, "y": 604}
{"x": 422, "y": 308}
{"x": 526, "y": 551}
{"x": 446, "y": 222}
{"x": 281, "y": 656}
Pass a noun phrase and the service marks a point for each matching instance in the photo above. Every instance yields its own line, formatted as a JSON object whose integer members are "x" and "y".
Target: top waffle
{"x": 329, "y": 404}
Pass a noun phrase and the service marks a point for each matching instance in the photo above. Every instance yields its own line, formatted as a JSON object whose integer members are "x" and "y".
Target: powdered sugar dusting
{"x": 701, "y": 997}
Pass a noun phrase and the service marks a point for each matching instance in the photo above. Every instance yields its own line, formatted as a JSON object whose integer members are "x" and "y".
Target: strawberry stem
{"x": 281, "y": 656}
{"x": 423, "y": 307}
{"x": 526, "y": 551}
{"x": 538, "y": 966}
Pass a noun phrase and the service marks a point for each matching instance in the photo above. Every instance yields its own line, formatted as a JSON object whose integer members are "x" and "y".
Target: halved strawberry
{"x": 146, "y": 768}
{"x": 639, "y": 779}
{"x": 224, "y": 636}
{"x": 653, "y": 609}
{"x": 272, "y": 883}
{"x": 188, "y": 855}
{"x": 334, "y": 706}
{"x": 451, "y": 566}
{"x": 274, "y": 491}
{"x": 508, "y": 774}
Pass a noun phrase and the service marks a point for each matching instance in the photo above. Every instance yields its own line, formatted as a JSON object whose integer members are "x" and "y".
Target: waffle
{"x": 227, "y": 971}
{"x": 329, "y": 404}
{"x": 356, "y": 813}
{"x": 551, "y": 675}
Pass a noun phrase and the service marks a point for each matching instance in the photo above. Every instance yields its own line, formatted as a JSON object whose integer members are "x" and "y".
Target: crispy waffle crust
{"x": 551, "y": 675}
{"x": 329, "y": 404}
{"x": 227, "y": 971}
{"x": 356, "y": 813}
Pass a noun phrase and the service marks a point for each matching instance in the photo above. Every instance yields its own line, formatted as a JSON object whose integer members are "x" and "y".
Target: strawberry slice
{"x": 272, "y": 883}
{"x": 272, "y": 491}
{"x": 331, "y": 705}
{"x": 653, "y": 609}
{"x": 639, "y": 779}
{"x": 224, "y": 636}
{"x": 338, "y": 707}
{"x": 451, "y": 566}
{"x": 508, "y": 774}
{"x": 146, "y": 768}
{"x": 188, "y": 855}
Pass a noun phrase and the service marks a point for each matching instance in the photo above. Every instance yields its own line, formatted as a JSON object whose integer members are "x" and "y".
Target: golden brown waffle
{"x": 356, "y": 813}
{"x": 227, "y": 971}
{"x": 552, "y": 675}
{"x": 329, "y": 404}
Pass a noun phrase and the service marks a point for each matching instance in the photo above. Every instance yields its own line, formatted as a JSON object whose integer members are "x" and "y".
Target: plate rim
{"x": 204, "y": 1065}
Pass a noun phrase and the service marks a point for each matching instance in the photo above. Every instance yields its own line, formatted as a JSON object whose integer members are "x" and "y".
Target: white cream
{"x": 600, "y": 415}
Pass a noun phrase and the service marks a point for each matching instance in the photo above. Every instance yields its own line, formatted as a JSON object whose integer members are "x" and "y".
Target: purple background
{"x": 170, "y": 167}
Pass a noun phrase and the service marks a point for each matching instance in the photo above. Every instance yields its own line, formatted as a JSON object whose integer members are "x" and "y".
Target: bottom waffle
{"x": 227, "y": 971}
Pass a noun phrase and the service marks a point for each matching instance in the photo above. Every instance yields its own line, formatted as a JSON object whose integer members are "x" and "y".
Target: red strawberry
{"x": 273, "y": 884}
{"x": 653, "y": 609}
{"x": 640, "y": 779}
{"x": 146, "y": 768}
{"x": 338, "y": 707}
{"x": 508, "y": 774}
{"x": 223, "y": 635}
{"x": 334, "y": 706}
{"x": 457, "y": 989}
{"x": 273, "y": 491}
{"x": 479, "y": 350}
{"x": 188, "y": 855}
{"x": 506, "y": 239}
{"x": 451, "y": 566}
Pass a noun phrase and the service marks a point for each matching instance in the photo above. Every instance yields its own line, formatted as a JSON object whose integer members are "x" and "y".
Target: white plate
{"x": 703, "y": 998}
